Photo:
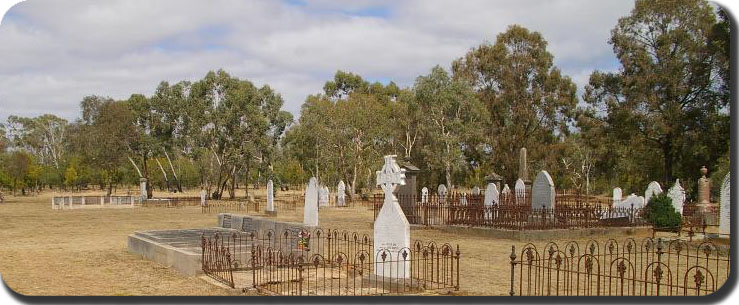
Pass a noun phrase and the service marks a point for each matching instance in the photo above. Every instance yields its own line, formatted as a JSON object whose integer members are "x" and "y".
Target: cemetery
{"x": 499, "y": 170}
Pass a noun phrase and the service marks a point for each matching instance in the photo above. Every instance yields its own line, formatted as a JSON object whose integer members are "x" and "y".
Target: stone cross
{"x": 653, "y": 189}
{"x": 270, "y": 196}
{"x": 677, "y": 194}
{"x": 392, "y": 231}
{"x": 725, "y": 208}
{"x": 341, "y": 194}
{"x": 310, "y": 209}
{"x": 542, "y": 192}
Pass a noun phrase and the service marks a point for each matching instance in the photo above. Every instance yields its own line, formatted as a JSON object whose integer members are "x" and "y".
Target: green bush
{"x": 660, "y": 212}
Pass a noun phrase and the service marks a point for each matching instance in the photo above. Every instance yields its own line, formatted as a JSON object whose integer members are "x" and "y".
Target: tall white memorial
{"x": 392, "y": 230}
{"x": 725, "y": 208}
{"x": 310, "y": 210}
{"x": 270, "y": 210}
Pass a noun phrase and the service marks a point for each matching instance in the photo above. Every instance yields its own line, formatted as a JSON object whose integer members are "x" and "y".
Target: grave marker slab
{"x": 424, "y": 195}
{"x": 491, "y": 195}
{"x": 617, "y": 194}
{"x": 653, "y": 189}
{"x": 677, "y": 194}
{"x": 310, "y": 210}
{"x": 341, "y": 194}
{"x": 542, "y": 192}
{"x": 725, "y": 208}
{"x": 270, "y": 197}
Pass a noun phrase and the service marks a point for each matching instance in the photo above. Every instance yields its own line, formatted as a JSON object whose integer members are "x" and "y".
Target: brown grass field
{"x": 83, "y": 251}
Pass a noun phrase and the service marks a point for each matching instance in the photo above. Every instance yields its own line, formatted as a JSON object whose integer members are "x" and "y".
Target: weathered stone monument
{"x": 491, "y": 195}
{"x": 653, "y": 189}
{"x": 523, "y": 171}
{"x": 506, "y": 190}
{"x": 632, "y": 201}
{"x": 617, "y": 193}
{"x": 476, "y": 191}
{"x": 677, "y": 194}
{"x": 542, "y": 192}
{"x": 442, "y": 192}
{"x": 270, "y": 209}
{"x": 341, "y": 194}
{"x": 144, "y": 194}
{"x": 392, "y": 231}
{"x": 424, "y": 195}
{"x": 463, "y": 199}
{"x": 310, "y": 210}
{"x": 520, "y": 190}
{"x": 323, "y": 198}
{"x": 203, "y": 197}
{"x": 704, "y": 198}
{"x": 725, "y": 212}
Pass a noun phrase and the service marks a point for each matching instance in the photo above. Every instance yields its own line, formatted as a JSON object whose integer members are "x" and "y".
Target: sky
{"x": 53, "y": 53}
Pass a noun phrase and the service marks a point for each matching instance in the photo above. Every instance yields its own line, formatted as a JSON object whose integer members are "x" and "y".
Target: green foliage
{"x": 660, "y": 212}
{"x": 70, "y": 176}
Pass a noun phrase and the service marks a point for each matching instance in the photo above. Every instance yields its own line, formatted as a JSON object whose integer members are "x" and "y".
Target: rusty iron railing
{"x": 513, "y": 211}
{"x": 333, "y": 263}
{"x": 652, "y": 267}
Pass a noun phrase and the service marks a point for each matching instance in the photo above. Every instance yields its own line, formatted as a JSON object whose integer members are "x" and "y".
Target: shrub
{"x": 660, "y": 212}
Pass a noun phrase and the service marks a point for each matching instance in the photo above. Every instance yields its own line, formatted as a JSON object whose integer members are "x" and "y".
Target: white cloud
{"x": 56, "y": 52}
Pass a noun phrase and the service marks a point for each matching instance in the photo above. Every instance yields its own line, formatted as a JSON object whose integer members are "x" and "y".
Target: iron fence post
{"x": 513, "y": 268}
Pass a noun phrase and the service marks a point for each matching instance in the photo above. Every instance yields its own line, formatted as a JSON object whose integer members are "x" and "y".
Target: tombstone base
{"x": 270, "y": 213}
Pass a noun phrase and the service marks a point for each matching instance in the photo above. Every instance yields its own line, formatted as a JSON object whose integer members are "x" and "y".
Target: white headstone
{"x": 653, "y": 189}
{"x": 637, "y": 202}
{"x": 323, "y": 196}
{"x": 144, "y": 195}
{"x": 506, "y": 190}
{"x": 392, "y": 230}
{"x": 442, "y": 190}
{"x": 542, "y": 191}
{"x": 463, "y": 199}
{"x": 203, "y": 197}
{"x": 270, "y": 196}
{"x": 341, "y": 194}
{"x": 491, "y": 195}
{"x": 677, "y": 194}
{"x": 725, "y": 208}
{"x": 476, "y": 191}
{"x": 424, "y": 195}
{"x": 310, "y": 210}
{"x": 520, "y": 189}
{"x": 617, "y": 194}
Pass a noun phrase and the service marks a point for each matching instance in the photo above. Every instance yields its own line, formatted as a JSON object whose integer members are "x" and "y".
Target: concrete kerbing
{"x": 185, "y": 262}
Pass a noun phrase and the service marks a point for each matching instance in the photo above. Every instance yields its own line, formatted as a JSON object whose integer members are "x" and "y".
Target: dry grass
{"x": 83, "y": 252}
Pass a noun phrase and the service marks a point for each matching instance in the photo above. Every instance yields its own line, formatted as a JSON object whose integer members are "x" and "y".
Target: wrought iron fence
{"x": 652, "y": 267}
{"x": 296, "y": 262}
{"x": 513, "y": 211}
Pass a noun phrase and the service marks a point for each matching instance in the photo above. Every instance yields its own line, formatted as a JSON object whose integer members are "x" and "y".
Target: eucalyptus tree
{"x": 668, "y": 96}
{"x": 529, "y": 101}
{"x": 45, "y": 137}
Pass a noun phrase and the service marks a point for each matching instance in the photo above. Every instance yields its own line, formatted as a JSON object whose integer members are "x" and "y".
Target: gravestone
{"x": 270, "y": 199}
{"x": 617, "y": 194}
{"x": 632, "y": 201}
{"x": 203, "y": 197}
{"x": 725, "y": 212}
{"x": 520, "y": 189}
{"x": 441, "y": 190}
{"x": 463, "y": 199}
{"x": 704, "y": 187}
{"x": 142, "y": 184}
{"x": 653, "y": 189}
{"x": 323, "y": 196}
{"x": 226, "y": 221}
{"x": 247, "y": 225}
{"x": 476, "y": 191}
{"x": 310, "y": 210}
{"x": 506, "y": 190}
{"x": 424, "y": 195}
{"x": 491, "y": 195}
{"x": 341, "y": 194}
{"x": 523, "y": 171}
{"x": 392, "y": 231}
{"x": 542, "y": 192}
{"x": 677, "y": 194}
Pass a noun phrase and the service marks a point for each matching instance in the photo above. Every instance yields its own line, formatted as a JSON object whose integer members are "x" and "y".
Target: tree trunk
{"x": 174, "y": 173}
{"x": 667, "y": 150}
{"x": 149, "y": 191}
{"x": 164, "y": 173}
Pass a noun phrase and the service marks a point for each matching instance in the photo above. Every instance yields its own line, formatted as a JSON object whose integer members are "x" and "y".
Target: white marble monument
{"x": 653, "y": 189}
{"x": 323, "y": 196}
{"x": 724, "y": 226}
{"x": 542, "y": 191}
{"x": 270, "y": 198}
{"x": 392, "y": 231}
{"x": 341, "y": 194}
{"x": 310, "y": 210}
{"x": 424, "y": 195}
{"x": 617, "y": 196}
{"x": 677, "y": 194}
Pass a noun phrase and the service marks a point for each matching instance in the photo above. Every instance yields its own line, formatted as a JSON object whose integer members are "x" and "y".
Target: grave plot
{"x": 83, "y": 202}
{"x": 329, "y": 263}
